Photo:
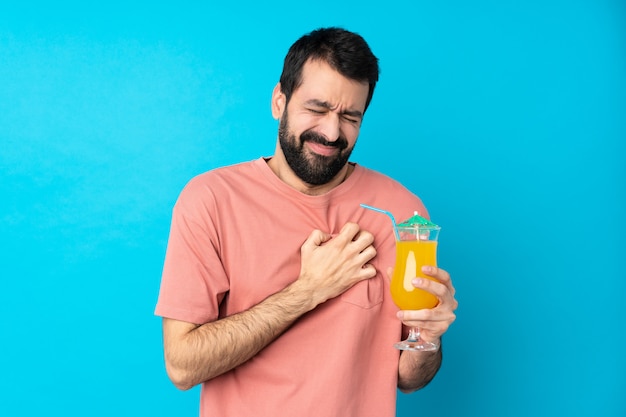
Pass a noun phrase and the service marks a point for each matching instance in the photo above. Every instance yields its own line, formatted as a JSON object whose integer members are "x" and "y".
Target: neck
{"x": 278, "y": 164}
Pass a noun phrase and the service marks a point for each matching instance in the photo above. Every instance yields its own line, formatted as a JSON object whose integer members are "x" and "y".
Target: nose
{"x": 330, "y": 126}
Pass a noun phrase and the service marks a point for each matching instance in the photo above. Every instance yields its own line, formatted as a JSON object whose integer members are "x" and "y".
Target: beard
{"x": 310, "y": 167}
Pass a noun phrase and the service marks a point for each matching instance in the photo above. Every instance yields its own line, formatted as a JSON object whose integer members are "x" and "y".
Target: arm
{"x": 196, "y": 353}
{"x": 417, "y": 369}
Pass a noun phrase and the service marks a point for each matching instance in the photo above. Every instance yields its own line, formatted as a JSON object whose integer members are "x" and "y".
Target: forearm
{"x": 417, "y": 369}
{"x": 197, "y": 353}
{"x": 212, "y": 349}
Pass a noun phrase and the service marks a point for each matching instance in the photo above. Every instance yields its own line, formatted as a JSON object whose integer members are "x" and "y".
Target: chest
{"x": 261, "y": 255}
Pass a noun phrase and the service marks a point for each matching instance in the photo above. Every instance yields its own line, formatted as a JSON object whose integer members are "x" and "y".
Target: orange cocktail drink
{"x": 411, "y": 255}
{"x": 416, "y": 246}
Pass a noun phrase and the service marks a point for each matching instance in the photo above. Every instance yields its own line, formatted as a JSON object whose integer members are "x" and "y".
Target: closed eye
{"x": 318, "y": 107}
{"x": 350, "y": 119}
{"x": 316, "y": 111}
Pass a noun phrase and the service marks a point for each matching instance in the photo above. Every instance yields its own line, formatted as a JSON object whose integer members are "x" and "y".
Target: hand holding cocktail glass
{"x": 416, "y": 247}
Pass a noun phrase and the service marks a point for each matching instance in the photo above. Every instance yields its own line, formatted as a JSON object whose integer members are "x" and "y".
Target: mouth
{"x": 323, "y": 150}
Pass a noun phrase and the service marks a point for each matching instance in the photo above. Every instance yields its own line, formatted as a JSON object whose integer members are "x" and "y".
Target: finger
{"x": 435, "y": 321}
{"x": 428, "y": 327}
{"x": 368, "y": 271}
{"x": 413, "y": 316}
{"x": 432, "y": 271}
{"x": 433, "y": 287}
{"x": 349, "y": 231}
{"x": 364, "y": 238}
{"x": 351, "y": 235}
{"x": 445, "y": 295}
{"x": 440, "y": 275}
{"x": 362, "y": 244}
{"x": 316, "y": 238}
{"x": 428, "y": 330}
{"x": 367, "y": 254}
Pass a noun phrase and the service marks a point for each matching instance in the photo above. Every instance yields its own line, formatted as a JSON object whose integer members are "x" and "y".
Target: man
{"x": 275, "y": 289}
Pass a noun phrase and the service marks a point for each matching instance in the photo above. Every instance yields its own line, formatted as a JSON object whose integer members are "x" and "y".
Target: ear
{"x": 279, "y": 102}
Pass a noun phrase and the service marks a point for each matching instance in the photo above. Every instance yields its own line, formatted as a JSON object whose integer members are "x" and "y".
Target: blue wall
{"x": 516, "y": 114}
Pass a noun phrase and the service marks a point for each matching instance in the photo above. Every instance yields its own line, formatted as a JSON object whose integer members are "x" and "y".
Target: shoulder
{"x": 381, "y": 181}
{"x": 203, "y": 190}
{"x": 218, "y": 177}
{"x": 390, "y": 193}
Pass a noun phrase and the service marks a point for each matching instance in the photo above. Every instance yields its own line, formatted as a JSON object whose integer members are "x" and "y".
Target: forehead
{"x": 321, "y": 82}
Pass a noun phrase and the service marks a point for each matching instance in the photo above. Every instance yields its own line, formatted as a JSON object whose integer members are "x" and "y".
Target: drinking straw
{"x": 393, "y": 221}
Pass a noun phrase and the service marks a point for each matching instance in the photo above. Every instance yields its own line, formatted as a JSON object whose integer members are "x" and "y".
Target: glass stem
{"x": 414, "y": 334}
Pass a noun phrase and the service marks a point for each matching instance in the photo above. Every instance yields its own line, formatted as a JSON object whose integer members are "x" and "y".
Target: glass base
{"x": 416, "y": 345}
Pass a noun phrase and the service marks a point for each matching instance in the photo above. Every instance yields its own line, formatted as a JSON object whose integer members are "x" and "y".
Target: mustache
{"x": 311, "y": 136}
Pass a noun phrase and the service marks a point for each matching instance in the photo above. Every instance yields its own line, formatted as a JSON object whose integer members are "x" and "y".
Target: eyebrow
{"x": 326, "y": 105}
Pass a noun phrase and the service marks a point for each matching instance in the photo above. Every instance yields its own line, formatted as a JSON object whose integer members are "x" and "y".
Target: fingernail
{"x": 400, "y": 315}
{"x": 417, "y": 281}
{"x": 427, "y": 269}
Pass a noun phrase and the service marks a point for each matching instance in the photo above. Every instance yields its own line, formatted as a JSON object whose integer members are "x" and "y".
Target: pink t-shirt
{"x": 235, "y": 239}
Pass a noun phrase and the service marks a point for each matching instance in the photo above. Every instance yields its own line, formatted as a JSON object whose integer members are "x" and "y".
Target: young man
{"x": 275, "y": 289}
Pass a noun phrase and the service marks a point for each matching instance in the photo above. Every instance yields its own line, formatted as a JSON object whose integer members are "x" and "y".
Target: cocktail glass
{"x": 416, "y": 246}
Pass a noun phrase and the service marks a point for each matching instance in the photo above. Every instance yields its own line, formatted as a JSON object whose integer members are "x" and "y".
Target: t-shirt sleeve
{"x": 194, "y": 281}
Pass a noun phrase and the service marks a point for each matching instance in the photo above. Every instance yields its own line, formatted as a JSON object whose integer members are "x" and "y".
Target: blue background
{"x": 513, "y": 112}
